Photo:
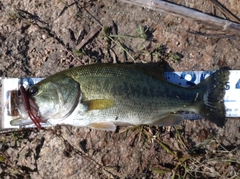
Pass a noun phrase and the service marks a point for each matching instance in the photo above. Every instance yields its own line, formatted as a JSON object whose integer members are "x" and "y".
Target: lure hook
{"x": 27, "y": 106}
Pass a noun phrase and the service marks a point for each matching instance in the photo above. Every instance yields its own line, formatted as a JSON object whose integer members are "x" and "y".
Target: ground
{"x": 40, "y": 37}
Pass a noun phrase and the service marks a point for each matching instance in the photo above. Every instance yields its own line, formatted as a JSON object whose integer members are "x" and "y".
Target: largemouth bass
{"x": 103, "y": 96}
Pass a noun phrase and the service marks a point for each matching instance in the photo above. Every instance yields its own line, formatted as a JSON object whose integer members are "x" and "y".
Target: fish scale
{"x": 133, "y": 91}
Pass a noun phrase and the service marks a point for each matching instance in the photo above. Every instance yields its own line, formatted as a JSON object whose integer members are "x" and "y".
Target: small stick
{"x": 88, "y": 37}
{"x": 225, "y": 11}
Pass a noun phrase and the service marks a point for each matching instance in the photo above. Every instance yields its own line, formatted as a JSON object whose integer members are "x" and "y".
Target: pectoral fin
{"x": 169, "y": 120}
{"x": 106, "y": 126}
{"x": 99, "y": 104}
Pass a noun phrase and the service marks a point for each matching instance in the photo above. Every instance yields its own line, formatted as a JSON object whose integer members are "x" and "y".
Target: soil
{"x": 39, "y": 38}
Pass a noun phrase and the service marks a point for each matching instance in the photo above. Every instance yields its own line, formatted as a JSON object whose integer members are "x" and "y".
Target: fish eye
{"x": 32, "y": 91}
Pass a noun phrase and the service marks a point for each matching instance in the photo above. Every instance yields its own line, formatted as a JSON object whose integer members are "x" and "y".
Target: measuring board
{"x": 187, "y": 78}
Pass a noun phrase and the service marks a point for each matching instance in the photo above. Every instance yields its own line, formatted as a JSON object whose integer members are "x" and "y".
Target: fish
{"x": 104, "y": 96}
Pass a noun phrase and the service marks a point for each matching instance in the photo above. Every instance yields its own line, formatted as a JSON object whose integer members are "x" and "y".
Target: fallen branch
{"x": 177, "y": 10}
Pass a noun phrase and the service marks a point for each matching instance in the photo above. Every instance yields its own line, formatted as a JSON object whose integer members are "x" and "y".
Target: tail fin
{"x": 212, "y": 107}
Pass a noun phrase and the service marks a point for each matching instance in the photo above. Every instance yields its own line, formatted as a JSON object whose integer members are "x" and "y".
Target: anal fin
{"x": 106, "y": 126}
{"x": 169, "y": 120}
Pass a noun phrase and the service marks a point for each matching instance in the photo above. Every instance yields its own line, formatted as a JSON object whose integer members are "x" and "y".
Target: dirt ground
{"x": 41, "y": 37}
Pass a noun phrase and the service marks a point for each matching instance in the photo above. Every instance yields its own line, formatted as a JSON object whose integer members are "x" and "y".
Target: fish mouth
{"x": 27, "y": 109}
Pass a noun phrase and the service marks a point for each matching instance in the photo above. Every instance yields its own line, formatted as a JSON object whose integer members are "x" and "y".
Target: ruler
{"x": 186, "y": 78}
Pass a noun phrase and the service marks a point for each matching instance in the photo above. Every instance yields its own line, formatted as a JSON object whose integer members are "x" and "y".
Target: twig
{"x": 225, "y": 11}
{"x": 176, "y": 10}
{"x": 88, "y": 37}
{"x": 35, "y": 20}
